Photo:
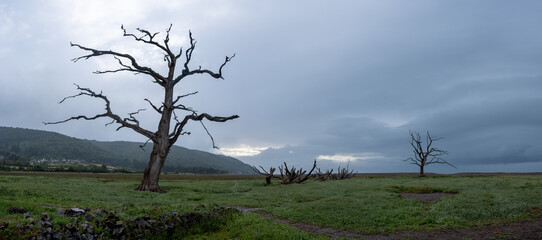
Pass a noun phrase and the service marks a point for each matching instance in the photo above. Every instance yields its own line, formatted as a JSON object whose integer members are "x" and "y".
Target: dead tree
{"x": 425, "y": 154}
{"x": 268, "y": 175}
{"x": 168, "y": 131}
{"x": 321, "y": 176}
{"x": 289, "y": 176}
{"x": 344, "y": 173}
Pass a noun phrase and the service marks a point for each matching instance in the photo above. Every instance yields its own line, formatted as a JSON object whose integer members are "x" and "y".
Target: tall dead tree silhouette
{"x": 168, "y": 131}
{"x": 425, "y": 154}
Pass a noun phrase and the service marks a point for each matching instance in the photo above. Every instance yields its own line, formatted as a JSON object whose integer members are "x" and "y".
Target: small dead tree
{"x": 268, "y": 175}
{"x": 344, "y": 173}
{"x": 289, "y": 176}
{"x": 170, "y": 127}
{"x": 322, "y": 176}
{"x": 425, "y": 154}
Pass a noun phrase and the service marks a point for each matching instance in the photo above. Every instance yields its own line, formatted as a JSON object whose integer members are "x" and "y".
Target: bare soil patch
{"x": 530, "y": 229}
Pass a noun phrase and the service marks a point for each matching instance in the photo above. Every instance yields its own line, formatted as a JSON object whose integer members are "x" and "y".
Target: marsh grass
{"x": 361, "y": 204}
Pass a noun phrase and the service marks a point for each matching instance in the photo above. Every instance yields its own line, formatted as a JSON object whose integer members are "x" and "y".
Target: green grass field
{"x": 362, "y": 204}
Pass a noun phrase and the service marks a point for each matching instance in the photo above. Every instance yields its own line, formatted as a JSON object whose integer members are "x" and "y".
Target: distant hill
{"x": 22, "y": 145}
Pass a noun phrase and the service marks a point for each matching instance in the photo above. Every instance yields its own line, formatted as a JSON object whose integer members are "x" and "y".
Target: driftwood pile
{"x": 322, "y": 176}
{"x": 292, "y": 175}
{"x": 342, "y": 173}
{"x": 287, "y": 175}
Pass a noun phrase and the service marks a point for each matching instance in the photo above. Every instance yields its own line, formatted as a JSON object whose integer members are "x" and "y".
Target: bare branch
{"x": 124, "y": 68}
{"x": 182, "y": 96}
{"x": 224, "y": 64}
{"x": 180, "y": 53}
{"x": 195, "y": 117}
{"x": 263, "y": 172}
{"x": 159, "y": 110}
{"x": 210, "y": 118}
{"x": 108, "y": 113}
{"x": 77, "y": 118}
{"x": 212, "y": 139}
{"x": 147, "y": 34}
{"x": 145, "y": 144}
{"x": 309, "y": 174}
{"x": 107, "y": 124}
{"x": 166, "y": 40}
{"x": 134, "y": 68}
{"x": 132, "y": 118}
{"x": 202, "y": 71}
{"x": 177, "y": 126}
{"x": 183, "y": 107}
{"x": 188, "y": 55}
{"x": 189, "y": 52}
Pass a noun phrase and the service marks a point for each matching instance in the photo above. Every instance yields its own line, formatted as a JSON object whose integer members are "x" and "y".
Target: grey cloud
{"x": 308, "y": 79}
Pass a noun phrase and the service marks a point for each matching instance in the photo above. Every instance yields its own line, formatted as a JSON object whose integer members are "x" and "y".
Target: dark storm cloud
{"x": 337, "y": 82}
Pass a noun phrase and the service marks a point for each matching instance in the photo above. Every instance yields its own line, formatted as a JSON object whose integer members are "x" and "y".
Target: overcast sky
{"x": 340, "y": 81}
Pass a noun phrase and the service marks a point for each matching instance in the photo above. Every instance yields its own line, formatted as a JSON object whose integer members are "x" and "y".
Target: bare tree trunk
{"x": 152, "y": 172}
{"x": 160, "y": 149}
{"x": 421, "y": 171}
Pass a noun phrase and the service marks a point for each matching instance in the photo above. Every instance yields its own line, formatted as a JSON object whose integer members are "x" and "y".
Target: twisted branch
{"x": 195, "y": 117}
{"x": 188, "y": 55}
{"x": 135, "y": 67}
{"x": 108, "y": 114}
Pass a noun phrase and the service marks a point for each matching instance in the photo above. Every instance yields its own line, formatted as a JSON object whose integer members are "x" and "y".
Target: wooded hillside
{"x": 19, "y": 147}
